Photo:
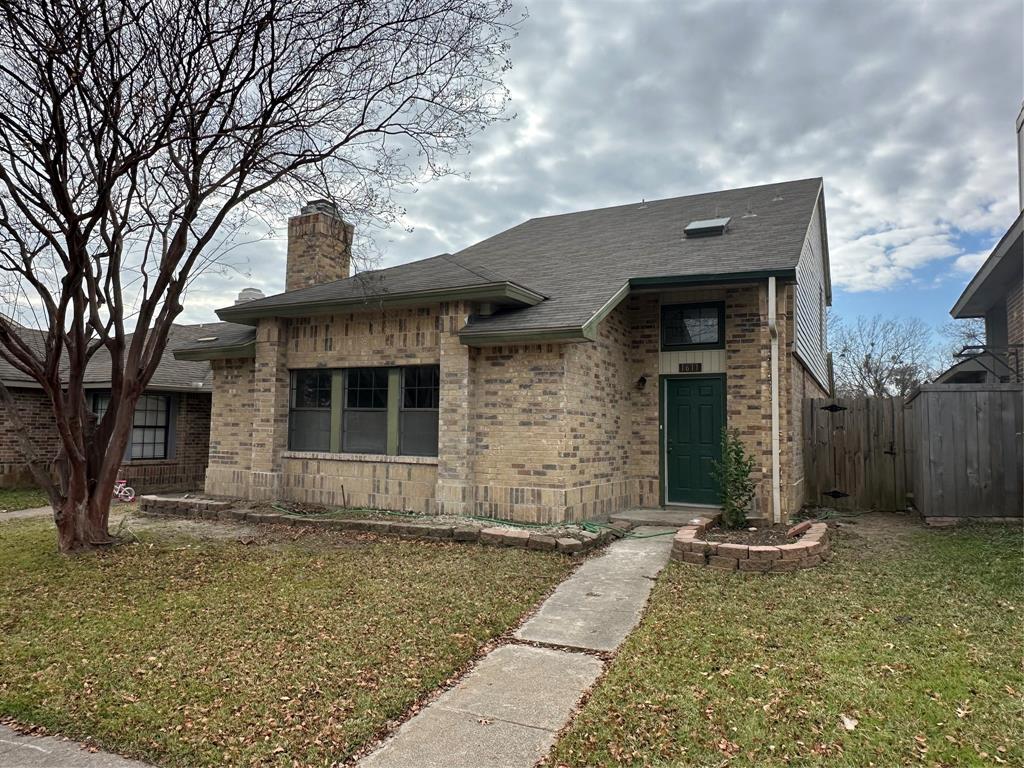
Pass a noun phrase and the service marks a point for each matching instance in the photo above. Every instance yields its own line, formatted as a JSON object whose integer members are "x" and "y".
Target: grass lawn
{"x": 189, "y": 652}
{"x": 12, "y": 499}
{"x": 917, "y": 639}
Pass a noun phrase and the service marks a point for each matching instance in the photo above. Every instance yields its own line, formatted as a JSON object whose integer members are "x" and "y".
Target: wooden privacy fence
{"x": 969, "y": 460}
{"x": 951, "y": 450}
{"x": 856, "y": 453}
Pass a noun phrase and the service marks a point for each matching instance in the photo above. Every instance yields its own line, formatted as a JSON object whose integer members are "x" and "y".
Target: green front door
{"x": 694, "y": 418}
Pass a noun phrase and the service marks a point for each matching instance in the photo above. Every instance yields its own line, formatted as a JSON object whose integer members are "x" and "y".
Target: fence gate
{"x": 856, "y": 453}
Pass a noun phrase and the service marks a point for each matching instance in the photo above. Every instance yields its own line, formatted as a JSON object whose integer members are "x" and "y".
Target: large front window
{"x": 380, "y": 410}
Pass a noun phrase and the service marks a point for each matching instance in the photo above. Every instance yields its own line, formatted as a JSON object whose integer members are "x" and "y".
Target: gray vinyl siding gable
{"x": 811, "y": 336}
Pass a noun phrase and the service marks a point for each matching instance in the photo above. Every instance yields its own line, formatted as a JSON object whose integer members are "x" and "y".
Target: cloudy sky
{"x": 905, "y": 107}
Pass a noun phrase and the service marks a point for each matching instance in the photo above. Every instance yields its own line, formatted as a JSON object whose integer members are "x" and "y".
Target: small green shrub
{"x": 733, "y": 476}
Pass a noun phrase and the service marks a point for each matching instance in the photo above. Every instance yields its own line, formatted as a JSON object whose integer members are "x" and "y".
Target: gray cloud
{"x": 906, "y": 109}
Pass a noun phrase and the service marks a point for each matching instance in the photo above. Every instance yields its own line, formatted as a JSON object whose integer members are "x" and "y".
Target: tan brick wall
{"x": 231, "y": 428}
{"x": 367, "y": 338}
{"x": 534, "y": 433}
{"x": 603, "y": 402}
{"x": 615, "y": 409}
{"x": 399, "y": 483}
{"x": 250, "y": 430}
{"x": 520, "y": 432}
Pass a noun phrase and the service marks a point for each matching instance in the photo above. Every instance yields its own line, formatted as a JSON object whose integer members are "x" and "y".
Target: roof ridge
{"x": 819, "y": 179}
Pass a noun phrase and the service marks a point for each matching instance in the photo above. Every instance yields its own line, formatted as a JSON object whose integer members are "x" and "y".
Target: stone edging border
{"x": 809, "y": 550}
{"x": 498, "y": 536}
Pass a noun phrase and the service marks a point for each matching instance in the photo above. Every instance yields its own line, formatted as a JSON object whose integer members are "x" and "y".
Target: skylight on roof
{"x": 706, "y": 227}
{"x": 207, "y": 338}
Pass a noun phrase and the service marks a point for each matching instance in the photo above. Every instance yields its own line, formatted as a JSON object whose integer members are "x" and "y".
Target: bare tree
{"x": 134, "y": 134}
{"x": 958, "y": 334}
{"x": 880, "y": 357}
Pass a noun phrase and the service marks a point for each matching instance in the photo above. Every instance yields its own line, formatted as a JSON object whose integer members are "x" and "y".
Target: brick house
{"x": 170, "y": 439}
{"x": 564, "y": 369}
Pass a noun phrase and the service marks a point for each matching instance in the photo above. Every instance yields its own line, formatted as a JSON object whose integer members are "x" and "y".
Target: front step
{"x": 676, "y": 516}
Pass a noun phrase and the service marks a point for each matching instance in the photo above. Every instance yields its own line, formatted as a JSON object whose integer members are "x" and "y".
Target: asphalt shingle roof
{"x": 170, "y": 374}
{"x": 579, "y": 261}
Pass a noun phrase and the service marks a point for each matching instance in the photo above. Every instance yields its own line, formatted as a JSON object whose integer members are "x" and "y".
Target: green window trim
{"x": 666, "y": 309}
{"x": 337, "y": 422}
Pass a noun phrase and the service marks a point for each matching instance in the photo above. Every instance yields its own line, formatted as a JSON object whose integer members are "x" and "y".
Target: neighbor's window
{"x": 149, "y": 433}
{"x": 417, "y": 422}
{"x": 309, "y": 417}
{"x": 693, "y": 326}
{"x": 150, "y": 427}
{"x": 99, "y": 404}
{"x": 365, "y": 416}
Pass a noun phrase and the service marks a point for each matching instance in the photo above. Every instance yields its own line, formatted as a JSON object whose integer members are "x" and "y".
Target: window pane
{"x": 100, "y": 403}
{"x": 418, "y": 433}
{"x": 420, "y": 386}
{"x": 367, "y": 388}
{"x": 309, "y": 430}
{"x": 311, "y": 389}
{"x": 365, "y": 431}
{"x": 683, "y": 326}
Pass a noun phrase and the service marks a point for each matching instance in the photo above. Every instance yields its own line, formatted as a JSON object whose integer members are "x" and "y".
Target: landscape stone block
{"x": 739, "y": 551}
{"x": 466, "y": 533}
{"x": 569, "y": 546}
{"x": 542, "y": 542}
{"x": 695, "y": 558}
{"x": 764, "y": 553}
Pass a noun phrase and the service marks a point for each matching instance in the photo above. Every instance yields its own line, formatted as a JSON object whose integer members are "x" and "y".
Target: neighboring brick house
{"x": 170, "y": 441}
{"x": 565, "y": 369}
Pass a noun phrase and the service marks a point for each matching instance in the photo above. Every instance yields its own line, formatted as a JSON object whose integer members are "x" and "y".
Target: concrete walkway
{"x": 21, "y": 514}
{"x": 20, "y": 751}
{"x": 508, "y": 710}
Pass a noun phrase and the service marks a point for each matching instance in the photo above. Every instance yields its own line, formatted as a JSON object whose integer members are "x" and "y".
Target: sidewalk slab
{"x": 596, "y": 607}
{"x": 20, "y": 751}
{"x": 506, "y": 712}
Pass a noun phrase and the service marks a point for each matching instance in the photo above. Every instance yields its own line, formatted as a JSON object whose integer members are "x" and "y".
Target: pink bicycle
{"x": 122, "y": 490}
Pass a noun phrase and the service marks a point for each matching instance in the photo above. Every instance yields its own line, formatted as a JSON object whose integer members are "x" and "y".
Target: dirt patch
{"x": 127, "y": 524}
{"x": 755, "y": 536}
{"x": 871, "y": 532}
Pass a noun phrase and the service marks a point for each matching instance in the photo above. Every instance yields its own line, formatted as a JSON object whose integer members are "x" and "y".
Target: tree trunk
{"x": 83, "y": 514}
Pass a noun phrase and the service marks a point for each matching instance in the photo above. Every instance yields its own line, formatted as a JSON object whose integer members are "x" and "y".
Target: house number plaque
{"x": 689, "y": 367}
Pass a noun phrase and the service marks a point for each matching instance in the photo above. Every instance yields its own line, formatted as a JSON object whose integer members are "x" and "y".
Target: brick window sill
{"x": 372, "y": 458}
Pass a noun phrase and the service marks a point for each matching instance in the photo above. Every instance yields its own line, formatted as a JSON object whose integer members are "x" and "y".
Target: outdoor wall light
{"x": 641, "y": 383}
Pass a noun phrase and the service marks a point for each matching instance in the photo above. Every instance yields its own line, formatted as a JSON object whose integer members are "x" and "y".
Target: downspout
{"x": 773, "y": 330}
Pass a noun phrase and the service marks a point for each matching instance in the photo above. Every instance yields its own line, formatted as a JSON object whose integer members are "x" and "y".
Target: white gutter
{"x": 773, "y": 330}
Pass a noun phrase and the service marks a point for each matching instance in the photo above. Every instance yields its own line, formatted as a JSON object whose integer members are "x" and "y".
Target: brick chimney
{"x": 319, "y": 246}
